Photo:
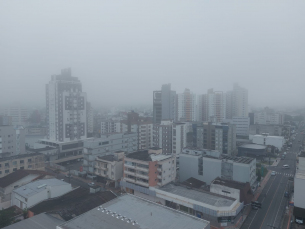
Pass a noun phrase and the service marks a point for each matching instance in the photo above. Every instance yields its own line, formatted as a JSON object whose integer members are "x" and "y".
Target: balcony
{"x": 129, "y": 172}
{"x": 142, "y": 183}
{"x": 159, "y": 169}
{"x": 130, "y": 180}
{"x": 129, "y": 166}
{"x": 141, "y": 176}
{"x": 142, "y": 169}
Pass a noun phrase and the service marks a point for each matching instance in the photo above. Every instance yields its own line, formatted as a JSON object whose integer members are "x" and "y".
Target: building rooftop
{"x": 194, "y": 183}
{"x": 243, "y": 160}
{"x": 253, "y": 146}
{"x": 73, "y": 203}
{"x": 41, "y": 149}
{"x": 19, "y": 174}
{"x": 38, "y": 186}
{"x": 143, "y": 155}
{"x": 41, "y": 221}
{"x": 229, "y": 183}
{"x": 300, "y": 174}
{"x": 19, "y": 157}
{"x": 198, "y": 195}
{"x": 138, "y": 213}
{"x": 108, "y": 158}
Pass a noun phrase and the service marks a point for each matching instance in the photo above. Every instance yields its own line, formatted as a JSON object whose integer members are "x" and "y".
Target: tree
{"x": 259, "y": 175}
{"x": 6, "y": 217}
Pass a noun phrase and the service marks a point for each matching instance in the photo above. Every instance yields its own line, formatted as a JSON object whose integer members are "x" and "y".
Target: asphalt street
{"x": 272, "y": 197}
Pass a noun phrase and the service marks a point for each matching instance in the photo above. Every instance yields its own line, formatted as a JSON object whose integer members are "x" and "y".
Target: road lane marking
{"x": 261, "y": 202}
{"x": 271, "y": 203}
{"x": 280, "y": 204}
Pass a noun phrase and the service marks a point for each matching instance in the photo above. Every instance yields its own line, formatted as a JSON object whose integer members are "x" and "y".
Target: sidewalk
{"x": 262, "y": 185}
{"x": 276, "y": 162}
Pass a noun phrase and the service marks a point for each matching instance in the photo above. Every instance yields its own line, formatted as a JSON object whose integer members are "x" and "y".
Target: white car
{"x": 273, "y": 173}
{"x": 91, "y": 184}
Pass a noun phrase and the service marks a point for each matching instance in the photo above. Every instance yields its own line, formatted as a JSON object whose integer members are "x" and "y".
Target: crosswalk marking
{"x": 285, "y": 174}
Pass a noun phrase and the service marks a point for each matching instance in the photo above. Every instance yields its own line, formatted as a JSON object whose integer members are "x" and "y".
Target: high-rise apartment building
{"x": 186, "y": 106}
{"x": 143, "y": 126}
{"x": 171, "y": 136}
{"x": 164, "y": 104}
{"x": 212, "y": 106}
{"x": 89, "y": 119}
{"x": 19, "y": 115}
{"x": 110, "y": 126}
{"x": 237, "y": 102}
{"x": 66, "y": 108}
{"x": 220, "y": 137}
{"x": 12, "y": 140}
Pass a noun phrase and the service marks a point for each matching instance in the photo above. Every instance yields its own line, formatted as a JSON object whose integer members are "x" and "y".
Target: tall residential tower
{"x": 66, "y": 108}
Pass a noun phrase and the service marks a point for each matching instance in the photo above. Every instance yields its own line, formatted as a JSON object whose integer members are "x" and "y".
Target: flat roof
{"x": 253, "y": 146}
{"x": 143, "y": 155}
{"x": 243, "y": 160}
{"x": 20, "y": 156}
{"x": 145, "y": 213}
{"x": 202, "y": 196}
{"x": 229, "y": 183}
{"x": 35, "y": 187}
{"x": 41, "y": 221}
{"x": 107, "y": 158}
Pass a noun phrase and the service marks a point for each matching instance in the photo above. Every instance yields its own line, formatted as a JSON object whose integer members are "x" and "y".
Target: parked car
{"x": 68, "y": 175}
{"x": 91, "y": 184}
{"x": 273, "y": 173}
{"x": 290, "y": 178}
{"x": 286, "y": 194}
{"x": 254, "y": 208}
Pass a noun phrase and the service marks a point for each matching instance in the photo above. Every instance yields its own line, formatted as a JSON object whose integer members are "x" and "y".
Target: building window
{"x": 15, "y": 169}
{"x": 22, "y": 167}
{"x": 7, "y": 171}
{"x": 29, "y": 160}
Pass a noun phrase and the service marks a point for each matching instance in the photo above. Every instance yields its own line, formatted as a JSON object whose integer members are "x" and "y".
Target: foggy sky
{"x": 124, "y": 50}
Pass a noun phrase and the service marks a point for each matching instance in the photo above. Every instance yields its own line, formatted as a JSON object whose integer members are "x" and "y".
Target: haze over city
{"x": 122, "y": 51}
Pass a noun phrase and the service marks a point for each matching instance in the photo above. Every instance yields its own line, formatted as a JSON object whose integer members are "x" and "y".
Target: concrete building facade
{"x": 276, "y": 141}
{"x": 110, "y": 167}
{"x": 66, "y": 108}
{"x": 107, "y": 145}
{"x": 199, "y": 165}
{"x": 148, "y": 168}
{"x": 32, "y": 161}
{"x": 221, "y": 137}
{"x": 186, "y": 106}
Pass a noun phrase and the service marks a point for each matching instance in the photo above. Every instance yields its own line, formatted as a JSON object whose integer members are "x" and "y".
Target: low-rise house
{"x": 15, "y": 180}
{"x": 35, "y": 192}
{"x": 237, "y": 190}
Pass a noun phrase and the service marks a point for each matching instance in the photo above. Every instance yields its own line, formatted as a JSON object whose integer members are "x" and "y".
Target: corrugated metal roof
{"x": 41, "y": 221}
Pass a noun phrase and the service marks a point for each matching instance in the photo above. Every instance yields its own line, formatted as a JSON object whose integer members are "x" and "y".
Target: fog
{"x": 124, "y": 50}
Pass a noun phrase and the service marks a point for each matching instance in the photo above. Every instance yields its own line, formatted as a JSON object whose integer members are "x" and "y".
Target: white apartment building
{"x": 18, "y": 114}
{"x": 268, "y": 118}
{"x": 144, "y": 129}
{"x": 110, "y": 167}
{"x": 66, "y": 108}
{"x": 186, "y": 106}
{"x": 206, "y": 167}
{"x": 107, "y": 145}
{"x": 111, "y": 126}
{"x": 148, "y": 168}
{"x": 89, "y": 118}
{"x": 242, "y": 125}
{"x": 171, "y": 136}
{"x": 212, "y": 106}
{"x": 277, "y": 141}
